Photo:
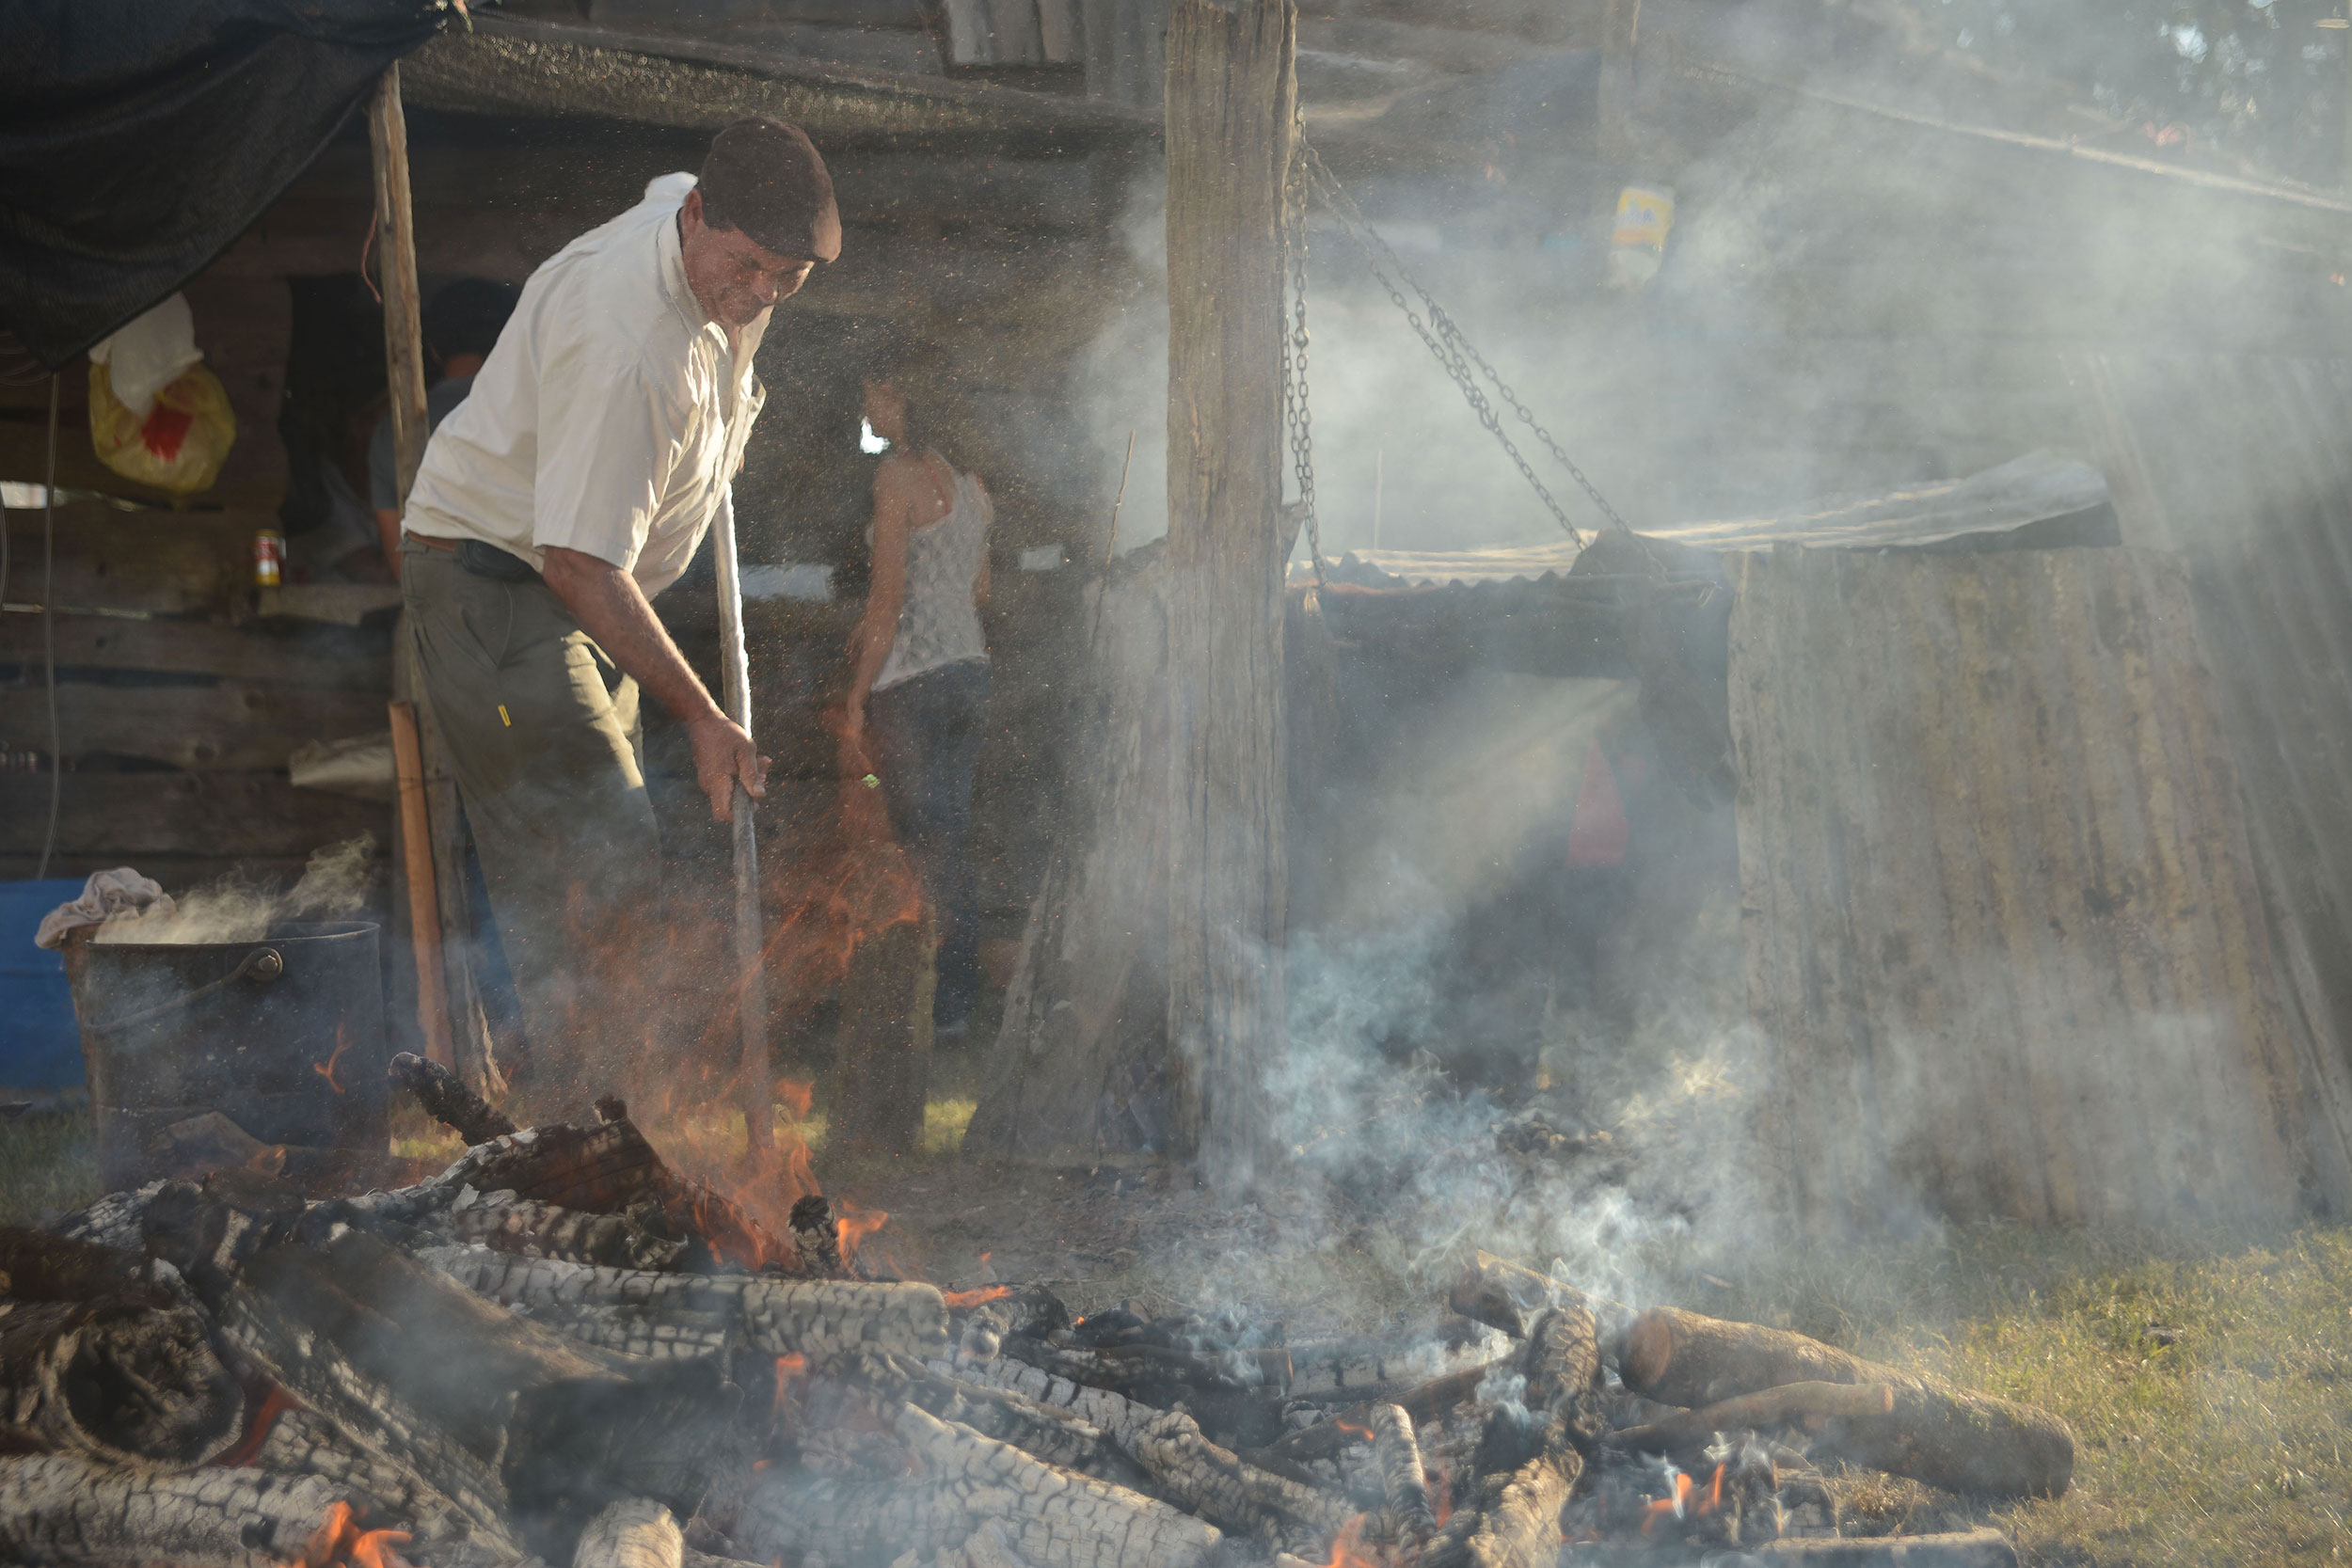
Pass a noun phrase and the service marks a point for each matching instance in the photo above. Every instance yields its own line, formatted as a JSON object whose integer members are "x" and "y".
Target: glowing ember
{"x": 958, "y": 1300}
{"x": 1363, "y": 1434}
{"x": 274, "y": 1405}
{"x": 1668, "y": 1507}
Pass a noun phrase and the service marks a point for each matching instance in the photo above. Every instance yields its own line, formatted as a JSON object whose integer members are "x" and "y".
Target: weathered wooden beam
{"x": 1230, "y": 106}
{"x": 190, "y": 814}
{"x": 234, "y": 727}
{"x": 309, "y": 656}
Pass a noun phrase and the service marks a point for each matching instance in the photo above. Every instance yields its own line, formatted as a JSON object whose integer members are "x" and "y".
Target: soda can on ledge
{"x": 269, "y": 558}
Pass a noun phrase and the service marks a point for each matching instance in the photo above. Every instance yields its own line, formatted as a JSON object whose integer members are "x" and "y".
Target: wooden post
{"x": 1231, "y": 103}
{"x": 424, "y": 919}
{"x": 463, "y": 1025}
{"x": 1620, "y": 30}
{"x": 755, "y": 1092}
{"x": 396, "y": 268}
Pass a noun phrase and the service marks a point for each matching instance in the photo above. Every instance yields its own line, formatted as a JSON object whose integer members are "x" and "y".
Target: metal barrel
{"x": 284, "y": 1036}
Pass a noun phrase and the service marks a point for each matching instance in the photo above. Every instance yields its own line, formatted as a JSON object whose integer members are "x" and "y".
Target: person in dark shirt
{"x": 461, "y": 326}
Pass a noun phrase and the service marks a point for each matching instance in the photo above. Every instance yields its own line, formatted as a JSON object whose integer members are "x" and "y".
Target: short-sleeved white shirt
{"x": 611, "y": 416}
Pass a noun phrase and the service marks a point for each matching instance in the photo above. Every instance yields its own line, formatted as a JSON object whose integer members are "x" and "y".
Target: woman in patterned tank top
{"x": 918, "y": 686}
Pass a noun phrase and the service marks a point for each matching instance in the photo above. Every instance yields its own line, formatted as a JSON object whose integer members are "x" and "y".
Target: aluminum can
{"x": 269, "y": 558}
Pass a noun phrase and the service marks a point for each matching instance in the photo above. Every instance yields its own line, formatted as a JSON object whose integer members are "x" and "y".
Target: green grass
{"x": 46, "y": 1166}
{"x": 2208, "y": 1379}
{"x": 2226, "y": 1445}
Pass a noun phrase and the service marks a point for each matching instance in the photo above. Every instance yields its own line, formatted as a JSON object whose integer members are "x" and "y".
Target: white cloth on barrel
{"x": 611, "y": 414}
{"x": 106, "y": 895}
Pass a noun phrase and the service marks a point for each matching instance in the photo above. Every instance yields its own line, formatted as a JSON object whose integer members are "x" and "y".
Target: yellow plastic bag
{"x": 178, "y": 446}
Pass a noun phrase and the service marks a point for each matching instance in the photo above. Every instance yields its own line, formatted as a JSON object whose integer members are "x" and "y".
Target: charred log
{"x": 1404, "y": 1482}
{"x": 1519, "y": 1528}
{"x": 1809, "y": 1406}
{"x": 125, "y": 1377}
{"x": 632, "y": 1534}
{"x": 778, "y": 1317}
{"x": 1502, "y": 1294}
{"x": 1053, "y": 1518}
{"x": 62, "y": 1510}
{"x": 447, "y": 1099}
{"x": 529, "y": 1228}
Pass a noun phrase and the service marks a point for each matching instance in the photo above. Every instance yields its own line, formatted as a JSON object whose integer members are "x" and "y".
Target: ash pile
{"x": 560, "y": 1349}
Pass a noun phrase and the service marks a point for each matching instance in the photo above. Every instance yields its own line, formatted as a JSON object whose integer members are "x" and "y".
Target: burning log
{"x": 632, "y": 1534}
{"x": 299, "y": 1442}
{"x": 666, "y": 1334}
{"x": 818, "y": 1319}
{"x": 66, "y": 1510}
{"x": 1054, "y": 1519}
{"x": 454, "y": 1357}
{"x": 1502, "y": 1294}
{"x": 447, "y": 1099}
{"x": 1404, "y": 1483}
{"x": 1936, "y": 1432}
{"x": 1973, "y": 1548}
{"x": 117, "y": 1220}
{"x": 1521, "y": 1527}
{"x": 1424, "y": 1402}
{"x": 368, "y": 1415}
{"x": 1811, "y": 1405}
{"x": 1117, "y": 1416}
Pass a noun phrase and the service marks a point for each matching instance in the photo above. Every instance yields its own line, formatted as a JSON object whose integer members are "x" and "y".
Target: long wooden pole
{"x": 734, "y": 679}
{"x": 424, "y": 919}
{"x": 454, "y": 1005}
{"x": 1231, "y": 99}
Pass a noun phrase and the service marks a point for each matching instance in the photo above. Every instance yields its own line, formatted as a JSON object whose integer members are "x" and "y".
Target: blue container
{"x": 40, "y": 1048}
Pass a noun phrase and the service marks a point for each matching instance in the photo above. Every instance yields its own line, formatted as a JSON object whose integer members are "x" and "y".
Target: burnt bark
{"x": 447, "y": 1099}
{"x": 128, "y": 1376}
{"x": 61, "y": 1510}
{"x": 1519, "y": 1528}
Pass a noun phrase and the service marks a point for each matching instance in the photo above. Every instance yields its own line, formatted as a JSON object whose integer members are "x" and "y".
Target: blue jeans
{"x": 927, "y": 745}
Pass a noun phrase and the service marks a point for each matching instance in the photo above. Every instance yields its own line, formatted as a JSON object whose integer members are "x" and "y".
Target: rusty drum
{"x": 284, "y": 1036}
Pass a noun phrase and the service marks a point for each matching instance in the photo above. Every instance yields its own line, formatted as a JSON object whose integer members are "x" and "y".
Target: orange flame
{"x": 796, "y": 1095}
{"x": 855, "y": 1225}
{"x": 958, "y": 1301}
{"x": 274, "y": 1405}
{"x": 1361, "y": 1433}
{"x": 1668, "y": 1507}
{"x": 788, "y": 1366}
{"x": 339, "y": 1543}
{"x": 1440, "y": 1490}
{"x": 326, "y": 1070}
{"x": 1347, "y": 1548}
{"x": 1714, "y": 1498}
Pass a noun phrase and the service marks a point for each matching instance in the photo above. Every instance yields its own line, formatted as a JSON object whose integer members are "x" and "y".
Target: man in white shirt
{"x": 574, "y": 482}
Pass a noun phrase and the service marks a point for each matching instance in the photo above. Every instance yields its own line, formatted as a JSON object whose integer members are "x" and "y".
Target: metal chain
{"x": 1295, "y": 412}
{"x": 1446, "y": 342}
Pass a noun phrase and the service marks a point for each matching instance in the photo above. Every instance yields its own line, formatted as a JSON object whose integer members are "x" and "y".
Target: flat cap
{"x": 765, "y": 177}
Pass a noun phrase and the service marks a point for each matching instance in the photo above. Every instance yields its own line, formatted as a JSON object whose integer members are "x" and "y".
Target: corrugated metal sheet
{"x": 2004, "y": 938}
{"x": 2035, "y": 489}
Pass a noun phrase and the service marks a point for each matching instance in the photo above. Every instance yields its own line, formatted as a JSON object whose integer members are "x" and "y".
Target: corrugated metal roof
{"x": 2005, "y": 941}
{"x": 2035, "y": 489}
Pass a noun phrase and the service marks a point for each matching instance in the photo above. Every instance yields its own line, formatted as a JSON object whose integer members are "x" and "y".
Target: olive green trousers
{"x": 542, "y": 739}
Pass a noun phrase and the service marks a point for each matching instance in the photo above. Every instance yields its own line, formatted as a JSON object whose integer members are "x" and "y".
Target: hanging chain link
{"x": 1452, "y": 349}
{"x": 1294, "y": 414}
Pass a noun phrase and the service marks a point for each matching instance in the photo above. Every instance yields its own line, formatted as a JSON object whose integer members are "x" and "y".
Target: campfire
{"x": 560, "y": 1349}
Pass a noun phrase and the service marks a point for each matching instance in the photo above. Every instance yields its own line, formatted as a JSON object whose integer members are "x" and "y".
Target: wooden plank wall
{"x": 2004, "y": 943}
{"x": 176, "y": 708}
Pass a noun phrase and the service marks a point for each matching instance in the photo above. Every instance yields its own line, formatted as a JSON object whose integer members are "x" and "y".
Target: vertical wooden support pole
{"x": 735, "y": 683}
{"x": 1620, "y": 30}
{"x": 1232, "y": 101}
{"x": 461, "y": 1025}
{"x": 396, "y": 248}
{"x": 424, "y": 919}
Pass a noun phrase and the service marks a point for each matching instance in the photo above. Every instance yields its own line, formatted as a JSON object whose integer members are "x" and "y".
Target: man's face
{"x": 733, "y": 279}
